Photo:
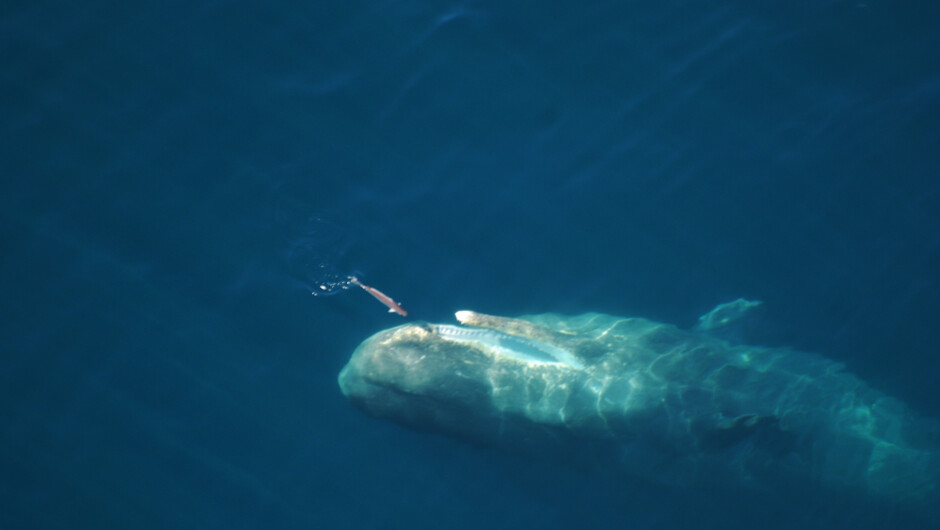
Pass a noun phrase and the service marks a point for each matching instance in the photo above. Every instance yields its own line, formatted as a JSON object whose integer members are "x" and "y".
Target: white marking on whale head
{"x": 498, "y": 343}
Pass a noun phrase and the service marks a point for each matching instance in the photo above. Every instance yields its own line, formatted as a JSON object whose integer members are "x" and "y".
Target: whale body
{"x": 651, "y": 400}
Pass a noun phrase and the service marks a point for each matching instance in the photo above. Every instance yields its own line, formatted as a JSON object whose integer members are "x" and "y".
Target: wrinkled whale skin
{"x": 673, "y": 406}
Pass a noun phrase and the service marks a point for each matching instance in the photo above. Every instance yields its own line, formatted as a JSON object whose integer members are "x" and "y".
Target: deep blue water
{"x": 177, "y": 177}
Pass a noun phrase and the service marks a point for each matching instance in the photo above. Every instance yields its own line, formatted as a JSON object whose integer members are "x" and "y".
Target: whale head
{"x": 466, "y": 381}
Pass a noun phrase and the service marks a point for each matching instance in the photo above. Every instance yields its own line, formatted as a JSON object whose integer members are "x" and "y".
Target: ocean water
{"x": 178, "y": 177}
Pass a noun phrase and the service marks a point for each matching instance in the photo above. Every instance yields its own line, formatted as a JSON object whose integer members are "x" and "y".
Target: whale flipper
{"x": 724, "y": 315}
{"x": 759, "y": 429}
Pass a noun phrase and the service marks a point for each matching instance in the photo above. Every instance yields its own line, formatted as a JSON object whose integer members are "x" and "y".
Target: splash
{"x": 315, "y": 258}
{"x": 330, "y": 287}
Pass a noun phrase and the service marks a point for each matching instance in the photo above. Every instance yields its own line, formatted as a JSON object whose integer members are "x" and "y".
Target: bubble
{"x": 314, "y": 257}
